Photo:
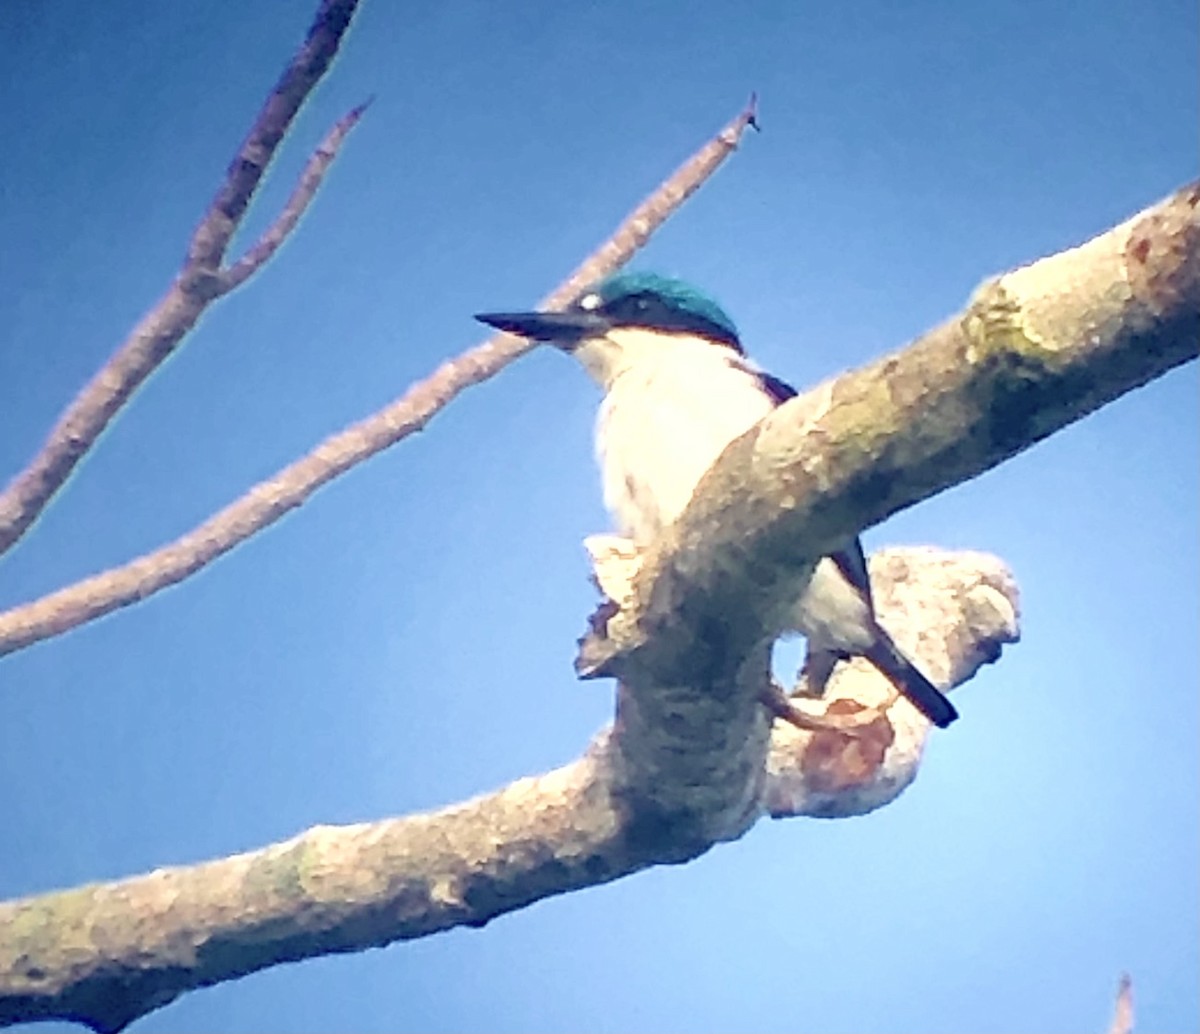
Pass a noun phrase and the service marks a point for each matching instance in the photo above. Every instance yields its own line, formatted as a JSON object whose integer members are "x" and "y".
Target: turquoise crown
{"x": 643, "y": 299}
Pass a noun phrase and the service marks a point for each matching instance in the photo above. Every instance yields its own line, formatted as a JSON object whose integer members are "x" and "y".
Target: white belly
{"x": 664, "y": 421}
{"x": 663, "y": 424}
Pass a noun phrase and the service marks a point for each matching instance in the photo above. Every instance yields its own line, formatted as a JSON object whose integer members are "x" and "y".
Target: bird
{"x": 678, "y": 388}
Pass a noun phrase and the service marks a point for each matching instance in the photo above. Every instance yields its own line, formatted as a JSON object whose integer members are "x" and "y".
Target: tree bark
{"x": 690, "y": 759}
{"x": 103, "y": 955}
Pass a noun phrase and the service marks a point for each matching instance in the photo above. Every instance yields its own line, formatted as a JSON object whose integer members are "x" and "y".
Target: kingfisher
{"x": 678, "y": 388}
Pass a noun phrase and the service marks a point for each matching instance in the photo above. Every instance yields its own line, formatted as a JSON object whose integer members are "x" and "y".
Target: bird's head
{"x": 624, "y": 319}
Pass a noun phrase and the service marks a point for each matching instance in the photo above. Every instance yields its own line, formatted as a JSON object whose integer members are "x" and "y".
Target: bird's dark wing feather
{"x": 907, "y": 678}
{"x": 780, "y": 391}
{"x": 852, "y": 562}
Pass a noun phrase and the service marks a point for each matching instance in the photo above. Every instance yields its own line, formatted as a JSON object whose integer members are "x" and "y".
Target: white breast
{"x": 667, "y": 415}
{"x": 672, "y": 406}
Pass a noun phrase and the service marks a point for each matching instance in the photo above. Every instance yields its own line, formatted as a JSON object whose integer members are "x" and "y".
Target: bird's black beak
{"x": 565, "y": 329}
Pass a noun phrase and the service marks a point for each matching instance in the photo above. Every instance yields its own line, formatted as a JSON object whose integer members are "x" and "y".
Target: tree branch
{"x": 1122, "y": 1020}
{"x": 197, "y": 285}
{"x": 952, "y": 611}
{"x": 305, "y": 190}
{"x": 690, "y": 759}
{"x": 1035, "y": 350}
{"x": 269, "y": 500}
{"x": 105, "y": 954}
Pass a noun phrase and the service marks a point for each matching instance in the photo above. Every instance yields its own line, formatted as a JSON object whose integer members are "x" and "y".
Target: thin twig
{"x": 269, "y": 500}
{"x": 1122, "y": 1021}
{"x": 312, "y": 61}
{"x": 310, "y": 181}
{"x": 197, "y": 285}
{"x": 642, "y": 222}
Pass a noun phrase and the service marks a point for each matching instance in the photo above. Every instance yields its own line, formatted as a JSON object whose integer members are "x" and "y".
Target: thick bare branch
{"x": 197, "y": 285}
{"x": 690, "y": 759}
{"x": 104, "y": 955}
{"x": 1035, "y": 350}
{"x": 269, "y": 500}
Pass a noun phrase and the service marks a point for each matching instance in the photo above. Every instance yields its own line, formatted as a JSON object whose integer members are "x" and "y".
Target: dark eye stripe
{"x": 648, "y": 310}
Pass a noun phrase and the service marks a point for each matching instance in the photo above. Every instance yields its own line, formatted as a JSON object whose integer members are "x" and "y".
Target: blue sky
{"x": 405, "y": 639}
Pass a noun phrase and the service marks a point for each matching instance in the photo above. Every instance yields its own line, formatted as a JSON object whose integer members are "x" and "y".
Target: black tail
{"x": 903, "y": 674}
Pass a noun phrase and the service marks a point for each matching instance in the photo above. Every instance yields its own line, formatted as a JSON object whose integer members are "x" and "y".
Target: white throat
{"x": 672, "y": 403}
{"x": 623, "y": 350}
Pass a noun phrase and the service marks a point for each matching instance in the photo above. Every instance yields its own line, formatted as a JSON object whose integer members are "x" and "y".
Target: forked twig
{"x": 199, "y": 283}
{"x": 306, "y": 188}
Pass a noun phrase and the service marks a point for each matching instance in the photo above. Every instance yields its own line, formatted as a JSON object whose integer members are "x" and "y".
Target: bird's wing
{"x": 780, "y": 391}
{"x": 852, "y": 563}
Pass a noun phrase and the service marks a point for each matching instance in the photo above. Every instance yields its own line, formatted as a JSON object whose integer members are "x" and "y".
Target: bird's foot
{"x": 854, "y": 723}
{"x": 815, "y": 672}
